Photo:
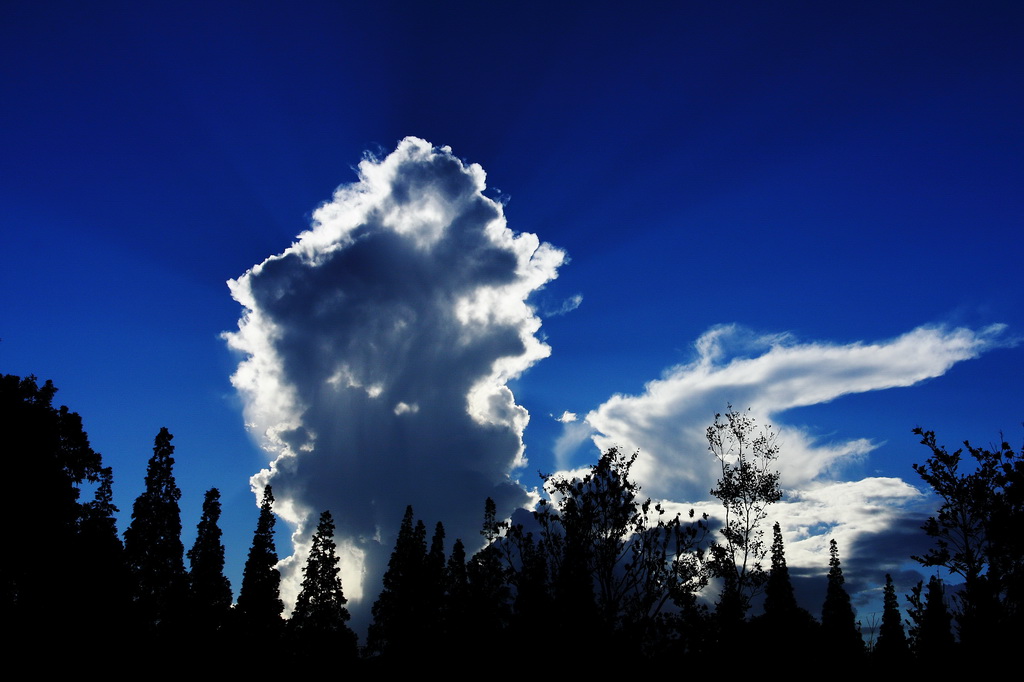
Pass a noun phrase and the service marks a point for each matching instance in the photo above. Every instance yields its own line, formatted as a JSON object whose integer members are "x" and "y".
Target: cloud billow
{"x": 377, "y": 351}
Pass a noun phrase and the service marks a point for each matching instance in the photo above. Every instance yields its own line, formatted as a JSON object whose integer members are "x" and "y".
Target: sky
{"x": 379, "y": 254}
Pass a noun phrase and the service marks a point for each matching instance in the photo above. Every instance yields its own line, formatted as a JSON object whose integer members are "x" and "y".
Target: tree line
{"x": 596, "y": 568}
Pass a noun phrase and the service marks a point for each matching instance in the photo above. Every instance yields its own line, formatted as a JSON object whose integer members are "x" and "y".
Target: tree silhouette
{"x": 259, "y": 600}
{"x": 615, "y": 559}
{"x": 977, "y": 535}
{"x": 892, "y": 641}
{"x": 398, "y": 610}
{"x": 48, "y": 459}
{"x": 320, "y": 619}
{"x": 748, "y": 484}
{"x": 931, "y": 631}
{"x": 779, "y": 598}
{"x": 152, "y": 542}
{"x": 838, "y": 622}
{"x": 209, "y": 589}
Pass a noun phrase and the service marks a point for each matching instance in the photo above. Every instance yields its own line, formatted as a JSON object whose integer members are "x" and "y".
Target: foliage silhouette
{"x": 892, "y": 640}
{"x": 838, "y": 622}
{"x": 152, "y": 542}
{"x": 259, "y": 605}
{"x": 209, "y": 589}
{"x": 319, "y": 621}
{"x": 398, "y": 611}
{"x": 931, "y": 630}
{"x": 615, "y": 560}
{"x": 977, "y": 536}
{"x": 748, "y": 484}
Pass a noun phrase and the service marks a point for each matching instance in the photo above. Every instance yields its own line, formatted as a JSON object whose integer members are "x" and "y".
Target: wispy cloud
{"x": 771, "y": 374}
{"x": 568, "y": 305}
{"x": 768, "y": 374}
{"x": 377, "y": 352}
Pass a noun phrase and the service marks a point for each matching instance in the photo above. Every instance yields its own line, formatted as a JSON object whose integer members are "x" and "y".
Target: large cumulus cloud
{"x": 377, "y": 351}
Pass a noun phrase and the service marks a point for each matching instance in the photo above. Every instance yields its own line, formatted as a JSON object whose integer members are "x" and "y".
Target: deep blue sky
{"x": 841, "y": 174}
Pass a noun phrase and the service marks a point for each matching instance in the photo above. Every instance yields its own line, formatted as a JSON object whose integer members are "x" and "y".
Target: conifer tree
{"x": 838, "y": 622}
{"x": 779, "y": 598}
{"x": 152, "y": 542}
{"x": 259, "y": 601}
{"x": 209, "y": 589}
{"x": 320, "y": 618}
{"x": 456, "y": 602}
{"x": 397, "y": 611}
{"x": 892, "y": 641}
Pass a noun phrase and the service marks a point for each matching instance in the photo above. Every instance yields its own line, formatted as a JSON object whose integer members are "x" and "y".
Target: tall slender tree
{"x": 779, "y": 598}
{"x": 259, "y": 601}
{"x": 838, "y": 622}
{"x": 398, "y": 609}
{"x": 320, "y": 618}
{"x": 749, "y": 483}
{"x": 152, "y": 542}
{"x": 892, "y": 640}
{"x": 209, "y": 589}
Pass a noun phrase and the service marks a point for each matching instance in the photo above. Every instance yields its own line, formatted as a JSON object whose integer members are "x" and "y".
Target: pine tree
{"x": 209, "y": 589}
{"x": 838, "y": 622}
{"x": 152, "y": 542}
{"x": 892, "y": 641}
{"x": 259, "y": 601}
{"x": 779, "y": 598}
{"x": 397, "y": 613}
{"x": 783, "y": 621}
{"x": 320, "y": 618}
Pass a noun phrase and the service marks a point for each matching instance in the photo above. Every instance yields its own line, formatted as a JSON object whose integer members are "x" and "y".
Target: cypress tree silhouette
{"x": 152, "y": 542}
{"x": 209, "y": 589}
{"x": 892, "y": 641}
{"x": 320, "y": 619}
{"x": 779, "y": 598}
{"x": 259, "y": 601}
{"x": 838, "y": 623}
{"x": 397, "y": 612}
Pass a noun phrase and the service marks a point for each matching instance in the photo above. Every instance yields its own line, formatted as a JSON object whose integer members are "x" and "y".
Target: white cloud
{"x": 771, "y": 374}
{"x": 567, "y": 417}
{"x": 377, "y": 349}
{"x": 568, "y": 305}
{"x": 667, "y": 422}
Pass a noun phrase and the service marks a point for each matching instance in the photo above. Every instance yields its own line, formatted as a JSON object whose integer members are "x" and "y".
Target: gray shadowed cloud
{"x": 376, "y": 355}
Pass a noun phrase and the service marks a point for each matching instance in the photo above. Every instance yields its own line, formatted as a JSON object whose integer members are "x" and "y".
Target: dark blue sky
{"x": 839, "y": 175}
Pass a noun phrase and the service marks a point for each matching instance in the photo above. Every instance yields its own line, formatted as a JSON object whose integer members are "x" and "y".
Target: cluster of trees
{"x": 596, "y": 567}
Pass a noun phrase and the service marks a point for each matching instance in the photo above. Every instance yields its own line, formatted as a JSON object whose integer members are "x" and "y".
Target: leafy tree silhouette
{"x": 748, "y": 484}
{"x": 615, "y": 559}
{"x": 152, "y": 542}
{"x": 320, "y": 619}
{"x": 62, "y": 576}
{"x": 259, "y": 605}
{"x": 931, "y": 631}
{"x": 977, "y": 536}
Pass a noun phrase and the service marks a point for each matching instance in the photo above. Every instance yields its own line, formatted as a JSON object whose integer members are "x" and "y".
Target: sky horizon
{"x": 433, "y": 251}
